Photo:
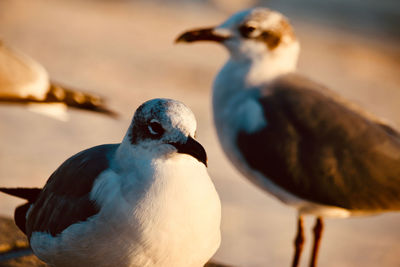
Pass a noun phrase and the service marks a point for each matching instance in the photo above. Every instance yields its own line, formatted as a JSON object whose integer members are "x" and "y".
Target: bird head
{"x": 165, "y": 126}
{"x": 251, "y": 33}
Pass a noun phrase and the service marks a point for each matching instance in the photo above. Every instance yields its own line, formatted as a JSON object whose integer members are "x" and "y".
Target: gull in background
{"x": 147, "y": 201}
{"x": 25, "y": 81}
{"x": 293, "y": 137}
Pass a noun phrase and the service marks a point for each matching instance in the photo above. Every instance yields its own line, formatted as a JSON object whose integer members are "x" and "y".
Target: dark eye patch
{"x": 156, "y": 129}
{"x": 271, "y": 38}
{"x": 246, "y": 30}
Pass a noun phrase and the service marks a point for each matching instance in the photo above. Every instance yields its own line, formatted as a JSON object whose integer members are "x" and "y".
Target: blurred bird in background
{"x": 25, "y": 81}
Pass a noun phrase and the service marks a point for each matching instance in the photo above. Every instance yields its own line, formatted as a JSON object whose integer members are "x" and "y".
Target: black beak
{"x": 195, "y": 35}
{"x": 193, "y": 148}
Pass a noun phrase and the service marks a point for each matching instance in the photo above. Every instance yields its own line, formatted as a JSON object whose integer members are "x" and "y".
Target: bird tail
{"x": 30, "y": 194}
{"x": 78, "y": 99}
{"x": 14, "y": 254}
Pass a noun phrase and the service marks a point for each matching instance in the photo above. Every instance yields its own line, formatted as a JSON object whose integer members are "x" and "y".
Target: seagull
{"x": 147, "y": 201}
{"x": 25, "y": 81}
{"x": 293, "y": 137}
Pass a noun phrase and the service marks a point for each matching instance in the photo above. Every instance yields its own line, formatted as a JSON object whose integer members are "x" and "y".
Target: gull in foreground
{"x": 293, "y": 137}
{"x": 147, "y": 201}
{"x": 25, "y": 81}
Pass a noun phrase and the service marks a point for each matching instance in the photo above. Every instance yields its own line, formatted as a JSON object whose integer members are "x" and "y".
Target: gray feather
{"x": 318, "y": 148}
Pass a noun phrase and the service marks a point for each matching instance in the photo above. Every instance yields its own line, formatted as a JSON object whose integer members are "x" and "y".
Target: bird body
{"x": 267, "y": 117}
{"x": 176, "y": 216}
{"x": 303, "y": 152}
{"x": 291, "y": 136}
{"x": 138, "y": 203}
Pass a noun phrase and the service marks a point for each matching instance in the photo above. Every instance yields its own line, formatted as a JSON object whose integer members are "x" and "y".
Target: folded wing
{"x": 324, "y": 149}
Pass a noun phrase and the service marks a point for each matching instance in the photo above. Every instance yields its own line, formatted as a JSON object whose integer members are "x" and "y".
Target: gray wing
{"x": 65, "y": 198}
{"x": 320, "y": 149}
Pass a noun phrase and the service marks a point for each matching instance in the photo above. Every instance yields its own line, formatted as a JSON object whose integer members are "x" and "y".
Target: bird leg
{"x": 318, "y": 228}
{"x": 298, "y": 242}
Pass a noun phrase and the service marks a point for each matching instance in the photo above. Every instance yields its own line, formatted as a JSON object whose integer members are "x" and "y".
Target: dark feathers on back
{"x": 65, "y": 198}
{"x": 319, "y": 148}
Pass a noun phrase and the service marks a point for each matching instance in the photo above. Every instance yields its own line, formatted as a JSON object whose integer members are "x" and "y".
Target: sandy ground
{"x": 124, "y": 50}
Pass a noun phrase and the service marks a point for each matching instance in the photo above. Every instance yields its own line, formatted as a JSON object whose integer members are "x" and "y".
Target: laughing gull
{"x": 293, "y": 137}
{"x": 25, "y": 81}
{"x": 147, "y": 201}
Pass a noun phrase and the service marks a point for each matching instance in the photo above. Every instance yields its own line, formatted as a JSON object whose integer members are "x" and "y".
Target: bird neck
{"x": 249, "y": 70}
{"x": 130, "y": 157}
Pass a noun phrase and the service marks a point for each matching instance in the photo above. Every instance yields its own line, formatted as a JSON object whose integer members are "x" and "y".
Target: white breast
{"x": 185, "y": 208}
{"x": 172, "y": 219}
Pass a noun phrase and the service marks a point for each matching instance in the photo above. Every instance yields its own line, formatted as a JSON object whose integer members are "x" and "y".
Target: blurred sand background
{"x": 124, "y": 50}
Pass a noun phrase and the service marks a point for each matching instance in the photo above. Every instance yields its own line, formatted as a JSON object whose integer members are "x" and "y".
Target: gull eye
{"x": 247, "y": 30}
{"x": 155, "y": 128}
